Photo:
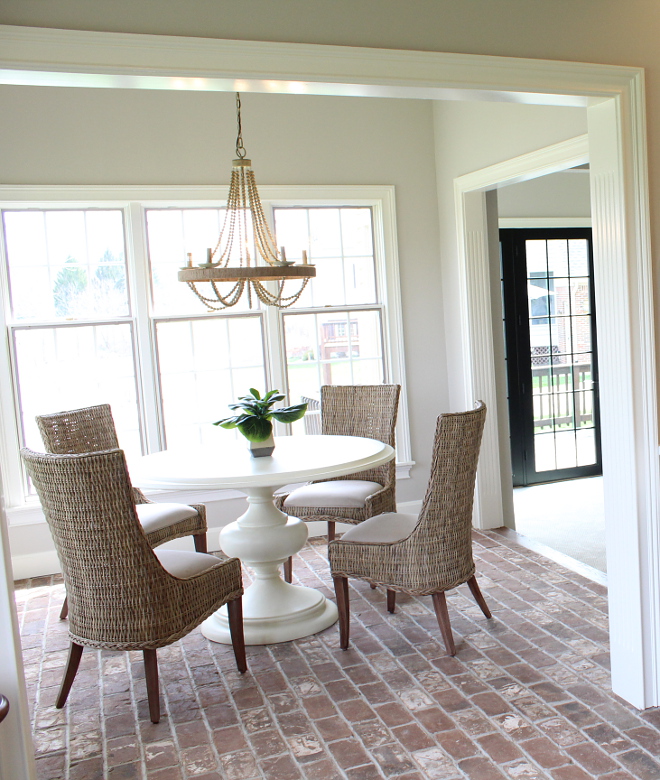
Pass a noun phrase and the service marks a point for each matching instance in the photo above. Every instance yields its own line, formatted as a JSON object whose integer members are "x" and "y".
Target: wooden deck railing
{"x": 555, "y": 391}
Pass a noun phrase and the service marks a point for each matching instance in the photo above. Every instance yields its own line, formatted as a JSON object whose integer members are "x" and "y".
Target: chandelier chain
{"x": 240, "y": 149}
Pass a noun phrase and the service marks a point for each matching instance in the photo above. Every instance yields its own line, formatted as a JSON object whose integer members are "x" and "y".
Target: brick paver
{"x": 527, "y": 695}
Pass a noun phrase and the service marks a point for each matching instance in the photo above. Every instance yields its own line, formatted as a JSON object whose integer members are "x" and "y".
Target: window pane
{"x": 325, "y": 232}
{"x": 340, "y": 245}
{"x": 204, "y": 366}
{"x": 356, "y": 230}
{"x": 70, "y": 367}
{"x": 66, "y": 264}
{"x": 171, "y": 235}
{"x": 339, "y": 348}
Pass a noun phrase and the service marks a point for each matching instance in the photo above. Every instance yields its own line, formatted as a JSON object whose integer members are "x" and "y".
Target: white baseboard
{"x": 35, "y": 565}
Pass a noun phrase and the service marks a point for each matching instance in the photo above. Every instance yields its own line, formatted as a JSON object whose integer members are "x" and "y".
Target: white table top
{"x": 228, "y": 464}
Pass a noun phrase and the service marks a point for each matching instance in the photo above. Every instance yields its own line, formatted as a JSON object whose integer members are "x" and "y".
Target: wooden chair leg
{"x": 65, "y": 608}
{"x": 200, "y": 543}
{"x": 331, "y": 530}
{"x": 391, "y": 600}
{"x": 478, "y": 597}
{"x": 442, "y": 614}
{"x": 75, "y": 651}
{"x": 151, "y": 675}
{"x": 235, "y": 610}
{"x": 288, "y": 570}
{"x": 341, "y": 591}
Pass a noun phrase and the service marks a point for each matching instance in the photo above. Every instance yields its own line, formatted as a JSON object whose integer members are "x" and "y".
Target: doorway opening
{"x": 551, "y": 357}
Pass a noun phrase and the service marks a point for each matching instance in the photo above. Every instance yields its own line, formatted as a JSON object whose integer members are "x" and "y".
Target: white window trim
{"x": 134, "y": 200}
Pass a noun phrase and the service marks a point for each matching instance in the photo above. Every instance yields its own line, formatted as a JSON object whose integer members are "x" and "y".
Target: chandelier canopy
{"x": 245, "y": 225}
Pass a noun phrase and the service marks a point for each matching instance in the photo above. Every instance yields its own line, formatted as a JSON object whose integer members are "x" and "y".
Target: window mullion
{"x": 140, "y": 292}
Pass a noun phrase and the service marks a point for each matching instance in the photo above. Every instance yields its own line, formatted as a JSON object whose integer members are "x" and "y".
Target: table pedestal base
{"x": 283, "y": 613}
{"x": 273, "y": 610}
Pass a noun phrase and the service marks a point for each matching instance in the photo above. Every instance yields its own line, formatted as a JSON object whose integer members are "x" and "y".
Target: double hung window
{"x": 94, "y": 313}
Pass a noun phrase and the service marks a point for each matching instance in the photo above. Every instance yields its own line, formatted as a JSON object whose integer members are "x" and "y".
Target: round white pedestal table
{"x": 263, "y": 537}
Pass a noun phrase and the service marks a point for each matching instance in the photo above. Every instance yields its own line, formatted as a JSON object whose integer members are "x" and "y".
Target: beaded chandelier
{"x": 245, "y": 224}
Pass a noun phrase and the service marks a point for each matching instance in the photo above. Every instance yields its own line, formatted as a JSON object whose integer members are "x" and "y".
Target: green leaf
{"x": 290, "y": 413}
{"x": 248, "y": 408}
{"x": 255, "y": 428}
{"x": 255, "y": 393}
{"x": 228, "y": 422}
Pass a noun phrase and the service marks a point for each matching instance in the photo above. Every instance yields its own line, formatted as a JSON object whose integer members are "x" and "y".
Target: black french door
{"x": 551, "y": 355}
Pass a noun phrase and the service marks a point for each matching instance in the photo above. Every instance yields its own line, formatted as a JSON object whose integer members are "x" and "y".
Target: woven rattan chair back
{"x": 369, "y": 411}
{"x": 113, "y": 580}
{"x": 91, "y": 429}
{"x": 441, "y": 543}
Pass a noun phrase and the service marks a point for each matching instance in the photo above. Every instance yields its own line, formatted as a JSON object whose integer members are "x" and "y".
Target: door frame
{"x": 622, "y": 266}
{"x": 614, "y": 97}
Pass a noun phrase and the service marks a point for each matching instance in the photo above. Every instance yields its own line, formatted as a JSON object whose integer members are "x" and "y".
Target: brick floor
{"x": 526, "y": 697}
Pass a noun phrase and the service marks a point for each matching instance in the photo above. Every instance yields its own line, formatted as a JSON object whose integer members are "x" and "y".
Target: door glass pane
{"x": 544, "y": 452}
{"x": 66, "y": 265}
{"x": 206, "y": 364}
{"x": 557, "y": 257}
{"x": 540, "y": 341}
{"x": 578, "y": 252}
{"x": 542, "y": 397}
{"x": 581, "y": 327}
{"x": 580, "y": 303}
{"x": 566, "y": 453}
{"x": 537, "y": 262}
{"x": 71, "y": 367}
{"x": 585, "y": 442}
{"x": 560, "y": 335}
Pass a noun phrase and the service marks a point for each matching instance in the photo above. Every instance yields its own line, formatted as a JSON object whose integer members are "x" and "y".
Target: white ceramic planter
{"x": 261, "y": 449}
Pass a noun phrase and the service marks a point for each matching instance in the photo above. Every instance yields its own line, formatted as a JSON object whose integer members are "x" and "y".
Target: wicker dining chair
{"x": 92, "y": 429}
{"x": 123, "y": 595}
{"x": 426, "y": 555}
{"x": 369, "y": 411}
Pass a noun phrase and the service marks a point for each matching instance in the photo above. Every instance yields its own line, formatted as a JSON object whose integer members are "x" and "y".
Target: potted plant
{"x": 254, "y": 419}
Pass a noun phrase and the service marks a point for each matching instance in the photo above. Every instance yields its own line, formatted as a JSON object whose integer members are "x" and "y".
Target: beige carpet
{"x": 566, "y": 516}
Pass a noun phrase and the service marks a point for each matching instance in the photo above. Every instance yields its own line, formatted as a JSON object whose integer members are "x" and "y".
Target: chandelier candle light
{"x": 245, "y": 219}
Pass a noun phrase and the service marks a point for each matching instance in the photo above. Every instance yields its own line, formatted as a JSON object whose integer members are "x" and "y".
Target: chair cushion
{"x": 388, "y": 527}
{"x": 183, "y": 564}
{"x": 349, "y": 493}
{"x": 153, "y": 517}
